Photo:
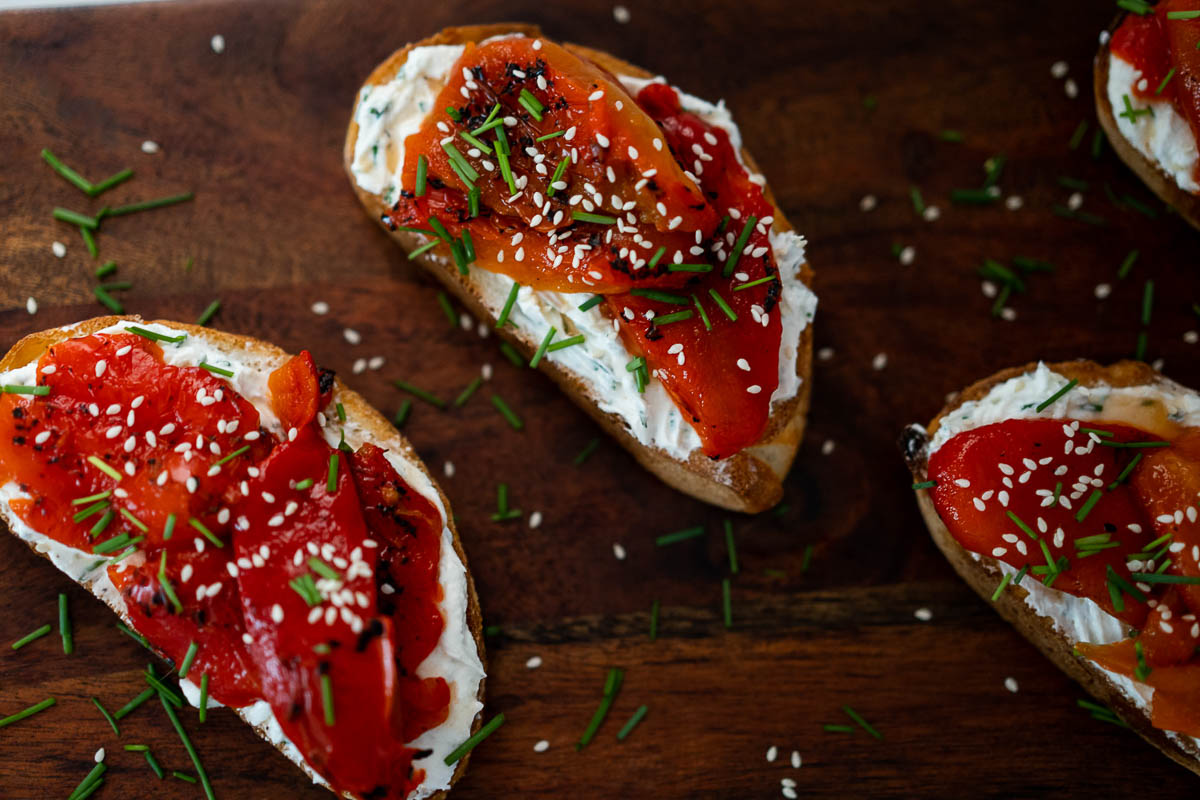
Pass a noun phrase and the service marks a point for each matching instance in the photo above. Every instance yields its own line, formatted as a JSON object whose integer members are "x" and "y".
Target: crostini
{"x": 614, "y": 230}
{"x": 1066, "y": 495}
{"x": 262, "y": 528}
{"x": 1147, "y": 87}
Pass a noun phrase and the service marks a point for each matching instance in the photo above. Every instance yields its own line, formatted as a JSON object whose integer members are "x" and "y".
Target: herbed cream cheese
{"x": 455, "y": 658}
{"x": 387, "y": 114}
{"x": 1077, "y": 619}
{"x": 1164, "y": 137}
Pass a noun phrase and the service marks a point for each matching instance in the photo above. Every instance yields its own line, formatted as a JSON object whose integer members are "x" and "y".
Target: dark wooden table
{"x": 256, "y": 132}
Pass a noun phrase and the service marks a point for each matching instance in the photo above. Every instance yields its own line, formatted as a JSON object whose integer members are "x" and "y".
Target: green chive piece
{"x": 75, "y": 218}
{"x": 758, "y": 282}
{"x": 562, "y": 344}
{"x": 531, "y": 104}
{"x": 108, "y": 268}
{"x": 64, "y": 625}
{"x": 703, "y": 314}
{"x": 89, "y": 241}
{"x": 1020, "y": 523}
{"x": 654, "y": 620}
{"x": 1128, "y": 263}
{"x": 205, "y": 532}
{"x": 738, "y": 246}
{"x": 324, "y": 570}
{"x": 471, "y": 743}
{"x": 137, "y": 748}
{"x": 633, "y": 721}
{"x": 423, "y": 249}
{"x": 808, "y": 554}
{"x": 104, "y": 711}
{"x": 216, "y": 370}
{"x": 1125, "y": 472}
{"x": 679, "y": 536}
{"x": 726, "y": 603}
{"x": 332, "y": 477}
{"x": 1147, "y": 302}
{"x": 1183, "y": 14}
{"x": 955, "y": 137}
{"x": 107, "y": 300}
{"x": 95, "y": 508}
{"x": 612, "y": 686}
{"x": 154, "y": 765}
{"x": 146, "y": 333}
{"x": 208, "y": 313}
{"x": 541, "y": 351}
{"x": 168, "y": 590}
{"x": 183, "y": 776}
{"x": 1077, "y": 136}
{"x": 1003, "y": 584}
{"x": 862, "y": 723}
{"x": 188, "y": 658}
{"x": 422, "y": 170}
{"x": 447, "y": 309}
{"x": 30, "y": 637}
{"x": 134, "y": 521}
{"x": 720, "y": 301}
{"x": 90, "y": 783}
{"x": 507, "y": 413}
{"x": 918, "y": 201}
{"x": 203, "y": 697}
{"x": 466, "y": 393}
{"x": 327, "y": 698}
{"x": 70, "y": 175}
{"x": 731, "y": 548}
{"x": 591, "y": 302}
{"x": 838, "y": 728}
{"x": 586, "y": 452}
{"x": 38, "y": 391}
{"x": 29, "y": 712}
{"x": 678, "y": 316}
{"x": 129, "y": 707}
{"x": 149, "y": 204}
{"x": 1155, "y": 577}
{"x": 108, "y": 183}
{"x": 115, "y": 543}
{"x": 925, "y": 485}
{"x": 993, "y": 169}
{"x": 600, "y": 219}
{"x": 1049, "y": 401}
{"x": 557, "y": 176}
{"x": 102, "y": 523}
{"x": 132, "y": 634}
{"x": 658, "y": 254}
{"x": 973, "y": 197}
{"x": 307, "y": 483}
{"x": 187, "y": 743}
{"x": 473, "y": 198}
{"x": 402, "y": 413}
{"x": 432, "y": 399}
{"x": 510, "y": 352}
{"x": 508, "y": 304}
{"x": 1139, "y": 353}
{"x": 554, "y": 135}
{"x": 660, "y": 296}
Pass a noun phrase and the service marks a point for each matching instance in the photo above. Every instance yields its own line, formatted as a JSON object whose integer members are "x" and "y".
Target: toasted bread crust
{"x": 983, "y": 572}
{"x": 358, "y": 409}
{"x": 1162, "y": 184}
{"x": 751, "y": 480}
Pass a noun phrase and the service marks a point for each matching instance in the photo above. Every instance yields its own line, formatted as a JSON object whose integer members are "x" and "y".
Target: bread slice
{"x": 751, "y": 480}
{"x": 366, "y": 421}
{"x": 1161, "y": 183}
{"x": 983, "y": 573}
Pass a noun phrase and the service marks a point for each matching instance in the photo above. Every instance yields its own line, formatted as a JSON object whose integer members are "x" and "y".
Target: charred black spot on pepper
{"x": 373, "y": 630}
{"x": 325, "y": 378}
{"x": 18, "y": 412}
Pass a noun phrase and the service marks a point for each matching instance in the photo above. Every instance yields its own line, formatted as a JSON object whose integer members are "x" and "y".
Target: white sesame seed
{"x": 633, "y": 153}
{"x": 931, "y": 213}
{"x": 448, "y": 468}
{"x": 101, "y": 365}
{"x": 1058, "y": 70}
{"x": 31, "y": 305}
{"x": 542, "y": 746}
{"x": 879, "y": 362}
{"x": 149, "y": 147}
{"x": 828, "y": 447}
{"x": 796, "y": 760}
{"x": 602, "y": 140}
{"x": 621, "y": 14}
{"x": 59, "y": 249}
{"x": 753, "y": 389}
{"x": 534, "y": 662}
{"x": 923, "y": 614}
{"x": 1013, "y": 202}
{"x": 320, "y": 307}
{"x": 277, "y": 613}
{"x": 772, "y": 752}
{"x": 825, "y": 354}
{"x": 618, "y": 551}
{"x": 1103, "y": 290}
{"x": 1071, "y": 88}
{"x": 789, "y": 792}
{"x": 1191, "y": 337}
{"x": 218, "y": 43}
{"x": 352, "y": 336}
{"x": 99, "y": 755}
{"x": 1075, "y": 201}
{"x": 535, "y": 519}
{"x": 360, "y": 366}
{"x": 1011, "y": 684}
{"x": 868, "y": 203}
{"x": 908, "y": 255}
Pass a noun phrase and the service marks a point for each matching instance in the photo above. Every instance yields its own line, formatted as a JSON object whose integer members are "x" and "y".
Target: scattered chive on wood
{"x": 679, "y": 536}
{"x": 612, "y": 686}
{"x": 203, "y": 697}
{"x": 132, "y": 705}
{"x": 862, "y": 723}
{"x": 92, "y": 780}
{"x": 633, "y": 722}
{"x": 37, "y": 708}
{"x": 731, "y": 547}
{"x": 953, "y": 136}
{"x": 513, "y": 420}
{"x": 726, "y": 603}
{"x": 208, "y": 313}
{"x": 654, "y": 608}
{"x": 109, "y": 717}
{"x": 149, "y": 205}
{"x": 447, "y": 309}
{"x": 918, "y": 201}
{"x": 402, "y": 413}
{"x": 1077, "y": 137}
{"x": 191, "y": 751}
{"x": 75, "y": 218}
{"x": 510, "y": 352}
{"x": 417, "y": 392}
{"x": 32, "y": 636}
{"x": 586, "y": 452}
{"x": 64, "y": 625}
{"x": 107, "y": 300}
{"x": 183, "y": 776}
{"x": 68, "y": 174}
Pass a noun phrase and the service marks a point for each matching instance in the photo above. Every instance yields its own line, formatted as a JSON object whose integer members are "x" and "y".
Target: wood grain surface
{"x": 256, "y": 131}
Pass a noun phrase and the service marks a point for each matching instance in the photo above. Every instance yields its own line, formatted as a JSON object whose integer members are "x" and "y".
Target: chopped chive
{"x": 601, "y": 219}
{"x": 1139, "y": 206}
{"x": 918, "y": 202}
{"x": 137, "y": 637}
{"x": 1073, "y": 183}
{"x": 183, "y": 776}
{"x": 471, "y": 743}
{"x": 702, "y": 312}
{"x": 720, "y": 301}
{"x": 1088, "y": 505}
{"x": 327, "y": 698}
{"x": 146, "y": 333}
{"x": 137, "y": 748}
{"x": 205, "y": 532}
{"x": 660, "y": 296}
{"x": 30, "y": 637}
{"x": 1003, "y": 584}
{"x": 738, "y": 246}
{"x": 1049, "y": 401}
{"x": 562, "y": 344}
{"x": 679, "y": 536}
{"x": 1183, "y": 14}
{"x": 1154, "y": 577}
{"x": 726, "y": 603}
{"x": 64, "y": 625}
{"x": 510, "y": 352}
{"x": 591, "y": 302}
{"x": 117, "y": 286}
{"x": 925, "y": 485}
{"x": 102, "y": 523}
{"x": 1139, "y": 353}
{"x": 586, "y": 452}
{"x": 862, "y": 723}
{"x": 731, "y": 547}
{"x": 106, "y": 269}
{"x": 38, "y": 391}
{"x": 70, "y": 175}
{"x": 1107, "y": 443}
{"x": 507, "y": 413}
{"x": 557, "y": 176}
{"x": 341, "y": 412}
{"x": 28, "y": 712}
{"x": 454, "y": 113}
{"x": 633, "y": 721}
{"x": 1020, "y": 523}
{"x": 187, "y": 743}
{"x": 468, "y": 246}
{"x": 973, "y": 197}
{"x": 422, "y": 169}
{"x": 508, "y": 304}
{"x": 107, "y": 300}
{"x": 90, "y": 782}
{"x": 448, "y": 309}
{"x": 168, "y": 590}
{"x": 678, "y": 316}
{"x": 1077, "y": 136}
{"x": 1147, "y": 302}
{"x": 203, "y": 697}
{"x": 554, "y": 135}
{"x": 612, "y": 685}
{"x": 1142, "y": 671}
{"x": 993, "y": 169}
{"x": 132, "y": 705}
{"x": 1128, "y": 263}
{"x": 457, "y": 159}
{"x": 767, "y": 279}
{"x": 690, "y": 268}
{"x": 502, "y": 159}
{"x": 134, "y": 521}
{"x": 95, "y": 508}
{"x": 89, "y": 241}
{"x": 952, "y": 136}
{"x": 838, "y": 728}
{"x": 188, "y": 658}
{"x": 75, "y": 218}
{"x": 473, "y": 197}
{"x": 1125, "y": 472}
{"x": 541, "y": 351}
{"x": 216, "y": 370}
{"x": 415, "y": 391}
{"x": 654, "y": 620}
{"x": 807, "y": 559}
{"x": 332, "y": 477}
{"x": 439, "y": 229}
{"x": 654, "y": 259}
{"x": 460, "y": 256}
{"x": 1097, "y": 143}
{"x": 530, "y": 104}
{"x": 425, "y": 248}
{"x": 324, "y": 570}
{"x": 149, "y": 204}
{"x": 104, "y": 711}
{"x": 306, "y": 587}
{"x": 109, "y": 182}
{"x": 402, "y": 413}
{"x": 208, "y": 313}
{"x": 115, "y": 543}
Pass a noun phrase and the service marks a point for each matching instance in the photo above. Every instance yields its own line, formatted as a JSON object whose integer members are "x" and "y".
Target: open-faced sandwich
{"x": 263, "y": 529}
{"x": 617, "y": 234}
{"x": 1067, "y": 494}
{"x": 1147, "y": 83}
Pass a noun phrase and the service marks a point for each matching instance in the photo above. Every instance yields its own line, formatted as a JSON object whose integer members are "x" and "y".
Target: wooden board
{"x": 256, "y": 133}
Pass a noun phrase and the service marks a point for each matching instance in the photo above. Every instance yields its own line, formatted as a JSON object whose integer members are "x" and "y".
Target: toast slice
{"x": 1152, "y": 174}
{"x": 462, "y": 637}
{"x": 984, "y": 573}
{"x": 750, "y": 480}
